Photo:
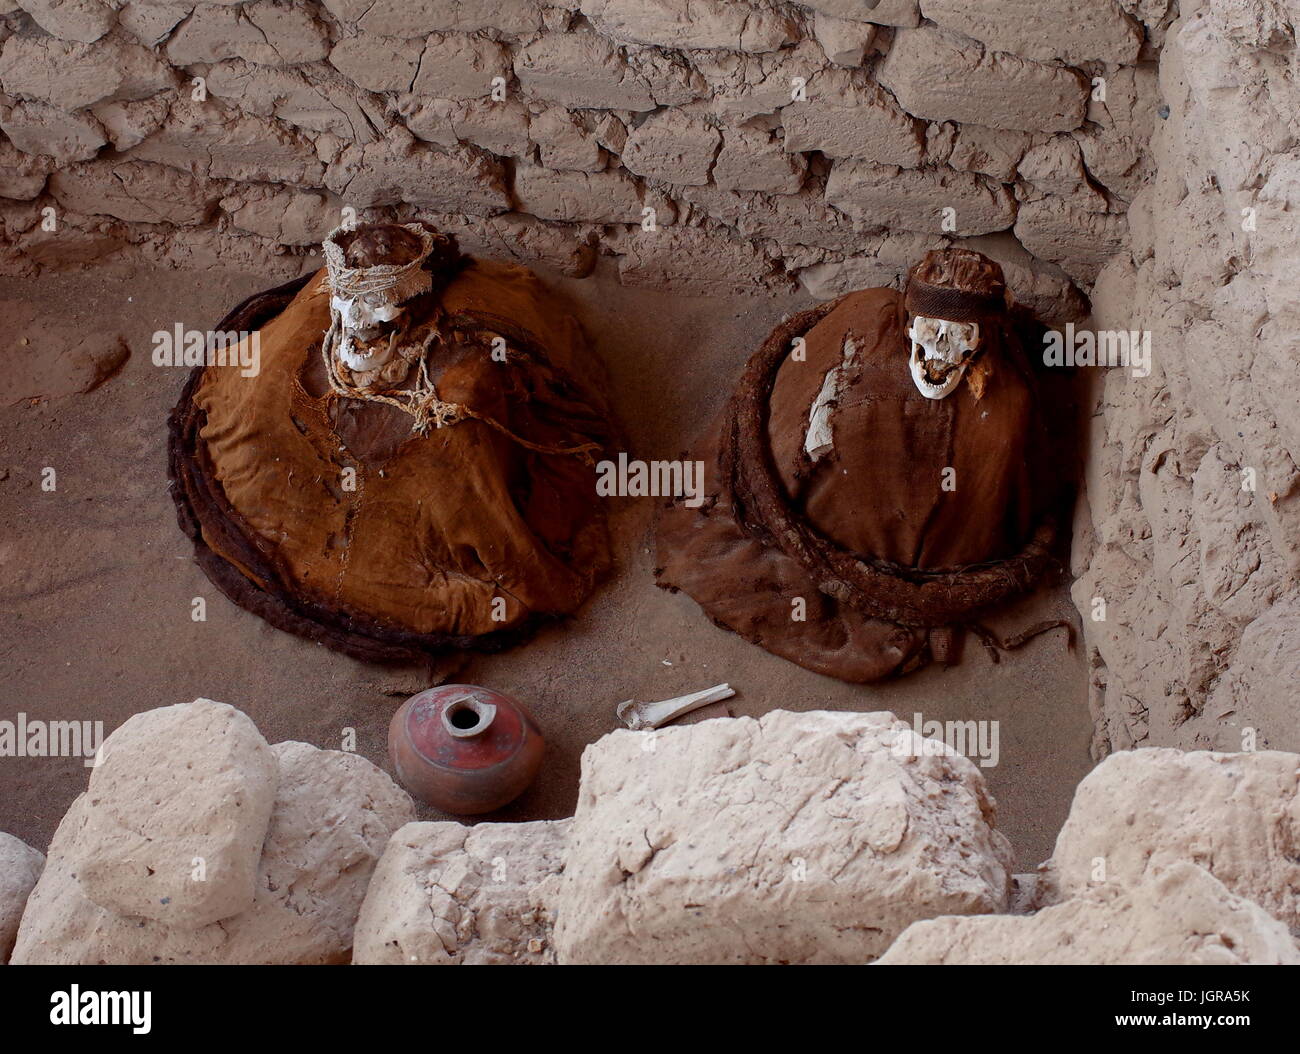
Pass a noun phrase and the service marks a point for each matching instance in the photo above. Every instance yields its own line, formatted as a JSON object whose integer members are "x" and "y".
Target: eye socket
{"x": 963, "y": 333}
{"x": 925, "y": 329}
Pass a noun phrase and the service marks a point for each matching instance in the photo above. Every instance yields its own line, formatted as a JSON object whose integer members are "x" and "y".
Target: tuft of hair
{"x": 962, "y": 269}
{"x": 977, "y": 376}
{"x": 372, "y": 244}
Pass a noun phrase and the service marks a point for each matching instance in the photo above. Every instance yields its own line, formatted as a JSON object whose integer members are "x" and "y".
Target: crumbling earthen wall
{"x": 828, "y": 142}
{"x": 1188, "y": 546}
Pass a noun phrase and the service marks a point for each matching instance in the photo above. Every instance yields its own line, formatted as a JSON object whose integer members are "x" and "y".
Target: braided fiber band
{"x": 760, "y": 507}
{"x": 391, "y": 283}
{"x": 952, "y": 305}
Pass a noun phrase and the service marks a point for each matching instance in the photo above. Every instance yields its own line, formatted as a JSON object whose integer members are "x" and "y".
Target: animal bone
{"x": 644, "y": 716}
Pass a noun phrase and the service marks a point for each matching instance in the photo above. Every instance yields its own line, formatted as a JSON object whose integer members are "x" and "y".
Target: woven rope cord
{"x": 424, "y": 404}
{"x": 399, "y": 281}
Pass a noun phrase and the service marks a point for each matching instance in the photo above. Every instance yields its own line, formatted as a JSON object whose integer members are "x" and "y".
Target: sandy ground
{"x": 97, "y": 583}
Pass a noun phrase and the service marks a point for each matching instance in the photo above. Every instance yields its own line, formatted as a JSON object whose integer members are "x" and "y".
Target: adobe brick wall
{"x": 822, "y": 143}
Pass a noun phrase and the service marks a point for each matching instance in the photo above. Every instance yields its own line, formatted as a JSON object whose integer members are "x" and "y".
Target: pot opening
{"x": 467, "y": 716}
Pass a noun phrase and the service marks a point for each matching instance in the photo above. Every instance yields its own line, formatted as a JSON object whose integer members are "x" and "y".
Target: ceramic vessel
{"x": 464, "y": 749}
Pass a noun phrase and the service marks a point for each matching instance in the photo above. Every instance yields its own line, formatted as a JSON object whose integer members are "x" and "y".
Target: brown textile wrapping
{"x": 443, "y": 531}
{"x": 878, "y": 551}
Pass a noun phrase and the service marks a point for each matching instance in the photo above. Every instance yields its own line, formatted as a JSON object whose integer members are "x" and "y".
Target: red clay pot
{"x": 464, "y": 749}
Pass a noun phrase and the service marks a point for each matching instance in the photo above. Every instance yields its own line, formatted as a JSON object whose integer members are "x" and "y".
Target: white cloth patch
{"x": 820, "y": 437}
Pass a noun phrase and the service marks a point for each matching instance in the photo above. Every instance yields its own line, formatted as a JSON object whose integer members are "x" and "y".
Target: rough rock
{"x": 1040, "y": 286}
{"x": 673, "y": 147}
{"x": 886, "y": 196}
{"x": 1236, "y": 815}
{"x": 400, "y": 170}
{"x": 136, "y": 191}
{"x": 377, "y": 63}
{"x": 1055, "y": 166}
{"x": 1114, "y": 142}
{"x": 994, "y": 151}
{"x": 813, "y": 837}
{"x": 578, "y": 197}
{"x": 217, "y": 142}
{"x": 563, "y": 142}
{"x": 175, "y": 815}
{"x": 692, "y": 261}
{"x": 333, "y": 814}
{"x": 454, "y": 66}
{"x": 1241, "y": 572}
{"x": 1079, "y": 240}
{"x": 802, "y": 218}
{"x": 567, "y": 248}
{"x": 22, "y": 176}
{"x": 317, "y": 99}
{"x": 944, "y": 77}
{"x": 70, "y": 76}
{"x": 1071, "y": 30}
{"x": 47, "y": 359}
{"x": 81, "y": 20}
{"x": 149, "y": 22}
{"x": 417, "y": 18}
{"x": 844, "y": 40}
{"x": 671, "y": 79}
{"x": 581, "y": 70}
{"x": 33, "y": 248}
{"x": 848, "y": 116}
{"x": 289, "y": 217}
{"x": 267, "y": 33}
{"x": 1257, "y": 692}
{"x": 833, "y": 278}
{"x": 39, "y": 129}
{"x": 755, "y": 160}
{"x": 884, "y": 13}
{"x": 1181, "y": 916}
{"x": 128, "y": 124}
{"x": 747, "y": 86}
{"x": 733, "y": 114}
{"x": 702, "y": 24}
{"x": 870, "y": 260}
{"x": 20, "y": 867}
{"x": 1213, "y": 235}
{"x": 447, "y": 894}
{"x": 611, "y": 133}
{"x": 501, "y": 127}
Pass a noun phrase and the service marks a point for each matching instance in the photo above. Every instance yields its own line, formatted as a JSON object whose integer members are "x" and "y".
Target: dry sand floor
{"x": 96, "y": 581}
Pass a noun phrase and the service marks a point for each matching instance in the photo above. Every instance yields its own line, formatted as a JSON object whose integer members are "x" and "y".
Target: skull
{"x": 941, "y": 351}
{"x": 363, "y": 322}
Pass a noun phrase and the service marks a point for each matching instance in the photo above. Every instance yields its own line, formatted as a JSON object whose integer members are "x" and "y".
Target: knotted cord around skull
{"x": 422, "y": 401}
{"x": 396, "y": 284}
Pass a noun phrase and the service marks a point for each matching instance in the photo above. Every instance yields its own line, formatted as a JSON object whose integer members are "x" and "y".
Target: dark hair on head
{"x": 371, "y": 244}
{"x": 962, "y": 269}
